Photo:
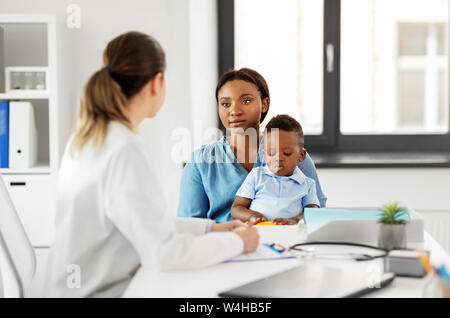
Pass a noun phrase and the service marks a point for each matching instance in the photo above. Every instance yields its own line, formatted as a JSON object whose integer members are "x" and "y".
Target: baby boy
{"x": 277, "y": 191}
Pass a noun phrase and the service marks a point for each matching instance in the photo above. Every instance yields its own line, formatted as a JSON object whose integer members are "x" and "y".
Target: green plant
{"x": 391, "y": 213}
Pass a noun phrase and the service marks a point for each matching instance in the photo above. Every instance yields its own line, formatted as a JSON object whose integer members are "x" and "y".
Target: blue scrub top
{"x": 212, "y": 177}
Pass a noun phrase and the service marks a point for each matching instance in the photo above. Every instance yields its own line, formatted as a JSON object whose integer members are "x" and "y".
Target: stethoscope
{"x": 359, "y": 257}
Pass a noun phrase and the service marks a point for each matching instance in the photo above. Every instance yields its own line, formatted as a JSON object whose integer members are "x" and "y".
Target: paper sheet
{"x": 262, "y": 253}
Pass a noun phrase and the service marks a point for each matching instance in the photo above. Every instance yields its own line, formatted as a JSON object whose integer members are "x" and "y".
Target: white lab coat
{"x": 110, "y": 219}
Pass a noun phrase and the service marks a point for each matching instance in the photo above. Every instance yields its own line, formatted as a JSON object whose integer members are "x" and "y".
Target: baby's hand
{"x": 256, "y": 219}
{"x": 259, "y": 220}
{"x": 283, "y": 221}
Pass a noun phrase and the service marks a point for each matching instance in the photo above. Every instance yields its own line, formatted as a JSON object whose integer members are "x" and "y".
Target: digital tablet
{"x": 314, "y": 281}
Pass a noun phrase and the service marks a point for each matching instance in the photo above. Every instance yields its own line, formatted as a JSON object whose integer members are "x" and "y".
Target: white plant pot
{"x": 392, "y": 236}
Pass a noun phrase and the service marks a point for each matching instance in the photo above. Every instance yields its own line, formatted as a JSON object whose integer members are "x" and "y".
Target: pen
{"x": 272, "y": 247}
{"x": 442, "y": 271}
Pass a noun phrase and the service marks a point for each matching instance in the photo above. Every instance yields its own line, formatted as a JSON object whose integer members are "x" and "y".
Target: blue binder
{"x": 4, "y": 134}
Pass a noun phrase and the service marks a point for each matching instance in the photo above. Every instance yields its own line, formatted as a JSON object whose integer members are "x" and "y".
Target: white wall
{"x": 203, "y": 66}
{"x": 419, "y": 188}
{"x": 192, "y": 68}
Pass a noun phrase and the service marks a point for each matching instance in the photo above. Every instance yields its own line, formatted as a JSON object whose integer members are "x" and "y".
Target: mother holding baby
{"x": 216, "y": 171}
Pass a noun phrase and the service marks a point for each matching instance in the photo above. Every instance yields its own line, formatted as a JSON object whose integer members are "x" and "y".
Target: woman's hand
{"x": 255, "y": 220}
{"x": 250, "y": 237}
{"x": 289, "y": 221}
{"x": 227, "y": 226}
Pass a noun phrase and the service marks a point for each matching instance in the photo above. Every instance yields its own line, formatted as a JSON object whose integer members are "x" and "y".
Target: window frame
{"x": 331, "y": 139}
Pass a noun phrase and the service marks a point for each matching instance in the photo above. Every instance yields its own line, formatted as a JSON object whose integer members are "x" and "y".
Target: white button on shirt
{"x": 278, "y": 196}
{"x": 110, "y": 219}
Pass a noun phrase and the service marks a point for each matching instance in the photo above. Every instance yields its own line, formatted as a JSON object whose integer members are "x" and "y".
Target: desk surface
{"x": 209, "y": 282}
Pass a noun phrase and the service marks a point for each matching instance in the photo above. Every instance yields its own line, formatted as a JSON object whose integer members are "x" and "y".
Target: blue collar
{"x": 297, "y": 175}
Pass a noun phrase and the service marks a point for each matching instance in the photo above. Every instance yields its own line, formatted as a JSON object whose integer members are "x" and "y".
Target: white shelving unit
{"x": 39, "y": 168}
{"x": 15, "y": 96}
{"x": 30, "y": 40}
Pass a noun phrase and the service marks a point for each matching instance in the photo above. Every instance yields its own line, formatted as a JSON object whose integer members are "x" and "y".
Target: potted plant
{"x": 392, "y": 231}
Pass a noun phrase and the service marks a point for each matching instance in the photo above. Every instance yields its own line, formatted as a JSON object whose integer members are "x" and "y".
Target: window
{"x": 360, "y": 75}
{"x": 401, "y": 58}
{"x": 422, "y": 69}
{"x": 283, "y": 41}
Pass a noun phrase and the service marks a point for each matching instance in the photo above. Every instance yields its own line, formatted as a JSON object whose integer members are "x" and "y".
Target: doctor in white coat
{"x": 110, "y": 218}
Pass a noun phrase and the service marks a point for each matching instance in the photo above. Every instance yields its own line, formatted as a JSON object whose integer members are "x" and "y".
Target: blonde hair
{"x": 130, "y": 61}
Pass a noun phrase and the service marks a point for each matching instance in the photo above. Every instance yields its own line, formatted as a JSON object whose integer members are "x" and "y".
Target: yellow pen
{"x": 266, "y": 223}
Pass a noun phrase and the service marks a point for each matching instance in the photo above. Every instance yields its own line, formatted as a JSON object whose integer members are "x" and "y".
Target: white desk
{"x": 208, "y": 282}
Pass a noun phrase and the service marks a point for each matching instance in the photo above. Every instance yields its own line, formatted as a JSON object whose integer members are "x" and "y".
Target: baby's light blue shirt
{"x": 213, "y": 175}
{"x": 278, "y": 196}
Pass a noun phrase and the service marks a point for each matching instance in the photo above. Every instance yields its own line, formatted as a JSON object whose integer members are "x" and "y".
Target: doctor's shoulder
{"x": 121, "y": 140}
{"x": 119, "y": 136}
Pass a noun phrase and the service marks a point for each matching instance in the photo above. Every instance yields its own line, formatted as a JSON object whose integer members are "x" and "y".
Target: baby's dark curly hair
{"x": 286, "y": 123}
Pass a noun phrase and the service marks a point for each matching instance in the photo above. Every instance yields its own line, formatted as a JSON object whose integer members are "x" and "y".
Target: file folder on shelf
{"x": 22, "y": 135}
{"x": 4, "y": 134}
{"x": 353, "y": 225}
{"x": 2, "y": 60}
